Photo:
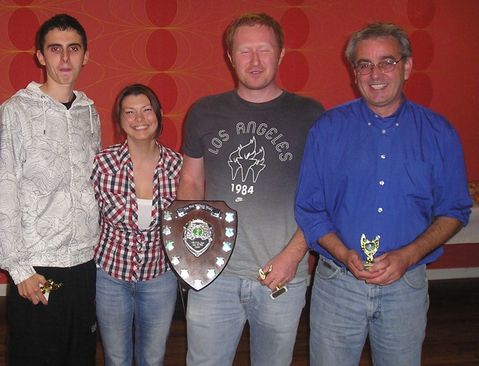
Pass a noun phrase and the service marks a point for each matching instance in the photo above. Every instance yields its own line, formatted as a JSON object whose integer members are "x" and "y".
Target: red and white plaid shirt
{"x": 125, "y": 251}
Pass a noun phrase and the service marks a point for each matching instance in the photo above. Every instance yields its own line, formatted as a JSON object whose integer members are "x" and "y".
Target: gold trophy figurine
{"x": 369, "y": 248}
{"x": 48, "y": 287}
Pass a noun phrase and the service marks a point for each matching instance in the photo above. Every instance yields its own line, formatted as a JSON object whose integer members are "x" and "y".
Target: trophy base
{"x": 279, "y": 291}
{"x": 367, "y": 266}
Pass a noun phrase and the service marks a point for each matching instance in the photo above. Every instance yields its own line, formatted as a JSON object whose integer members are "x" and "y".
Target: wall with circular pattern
{"x": 175, "y": 46}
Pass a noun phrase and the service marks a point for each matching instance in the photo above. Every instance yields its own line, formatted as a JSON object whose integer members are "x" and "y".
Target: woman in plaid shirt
{"x": 134, "y": 181}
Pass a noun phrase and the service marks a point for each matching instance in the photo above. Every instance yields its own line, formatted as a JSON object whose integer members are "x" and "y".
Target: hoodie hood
{"x": 33, "y": 92}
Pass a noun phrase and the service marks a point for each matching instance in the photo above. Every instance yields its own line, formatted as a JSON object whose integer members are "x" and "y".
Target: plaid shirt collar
{"x": 169, "y": 164}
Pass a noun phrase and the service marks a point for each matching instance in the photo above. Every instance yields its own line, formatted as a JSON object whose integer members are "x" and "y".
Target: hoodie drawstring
{"x": 44, "y": 116}
{"x": 91, "y": 119}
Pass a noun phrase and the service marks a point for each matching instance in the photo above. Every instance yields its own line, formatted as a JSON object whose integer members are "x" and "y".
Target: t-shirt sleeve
{"x": 192, "y": 142}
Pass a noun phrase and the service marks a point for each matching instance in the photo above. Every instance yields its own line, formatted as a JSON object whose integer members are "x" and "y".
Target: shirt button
{"x": 397, "y": 124}
{"x": 380, "y": 209}
{"x": 381, "y": 182}
{"x": 383, "y": 132}
{"x": 369, "y": 123}
{"x": 383, "y": 156}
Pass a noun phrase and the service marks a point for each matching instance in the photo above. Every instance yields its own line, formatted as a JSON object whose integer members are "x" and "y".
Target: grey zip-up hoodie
{"x": 48, "y": 212}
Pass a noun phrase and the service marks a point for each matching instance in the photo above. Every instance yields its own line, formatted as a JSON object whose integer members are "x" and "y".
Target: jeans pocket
{"x": 416, "y": 278}
{"x": 298, "y": 283}
{"x": 327, "y": 269}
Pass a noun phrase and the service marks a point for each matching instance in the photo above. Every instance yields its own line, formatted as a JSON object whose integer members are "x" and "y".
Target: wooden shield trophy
{"x": 199, "y": 237}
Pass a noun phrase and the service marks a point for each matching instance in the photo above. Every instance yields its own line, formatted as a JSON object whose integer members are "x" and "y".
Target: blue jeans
{"x": 150, "y": 304}
{"x": 344, "y": 311}
{"x": 217, "y": 314}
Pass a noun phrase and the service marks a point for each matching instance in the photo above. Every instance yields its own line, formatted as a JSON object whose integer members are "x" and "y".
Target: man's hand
{"x": 353, "y": 262}
{"x": 30, "y": 289}
{"x": 285, "y": 264}
{"x": 283, "y": 270}
{"x": 391, "y": 265}
{"x": 394, "y": 264}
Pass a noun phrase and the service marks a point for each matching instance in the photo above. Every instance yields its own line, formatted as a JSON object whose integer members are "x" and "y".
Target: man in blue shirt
{"x": 383, "y": 181}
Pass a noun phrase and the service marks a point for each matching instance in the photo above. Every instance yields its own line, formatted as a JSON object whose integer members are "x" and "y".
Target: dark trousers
{"x": 60, "y": 333}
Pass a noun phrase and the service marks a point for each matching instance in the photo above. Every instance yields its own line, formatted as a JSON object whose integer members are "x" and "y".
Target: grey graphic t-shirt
{"x": 252, "y": 154}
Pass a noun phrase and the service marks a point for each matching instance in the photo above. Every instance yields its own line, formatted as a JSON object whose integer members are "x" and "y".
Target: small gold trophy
{"x": 280, "y": 289}
{"x": 49, "y": 286}
{"x": 369, "y": 247}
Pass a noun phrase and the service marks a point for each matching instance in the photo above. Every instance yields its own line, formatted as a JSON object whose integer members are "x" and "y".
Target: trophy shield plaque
{"x": 198, "y": 237}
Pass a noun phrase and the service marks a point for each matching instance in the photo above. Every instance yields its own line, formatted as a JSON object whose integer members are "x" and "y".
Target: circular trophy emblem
{"x": 197, "y": 236}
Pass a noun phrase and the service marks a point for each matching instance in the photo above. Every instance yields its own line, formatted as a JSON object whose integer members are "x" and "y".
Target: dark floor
{"x": 452, "y": 337}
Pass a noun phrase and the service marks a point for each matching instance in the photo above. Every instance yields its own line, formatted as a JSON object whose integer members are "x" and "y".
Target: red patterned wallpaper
{"x": 175, "y": 46}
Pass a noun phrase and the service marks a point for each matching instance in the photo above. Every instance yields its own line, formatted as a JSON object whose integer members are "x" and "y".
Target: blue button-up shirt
{"x": 365, "y": 174}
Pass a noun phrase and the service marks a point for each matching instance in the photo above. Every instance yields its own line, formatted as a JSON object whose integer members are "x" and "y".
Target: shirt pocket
{"x": 416, "y": 182}
{"x": 113, "y": 207}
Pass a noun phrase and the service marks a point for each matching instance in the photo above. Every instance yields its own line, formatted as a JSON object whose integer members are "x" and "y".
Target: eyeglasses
{"x": 387, "y": 65}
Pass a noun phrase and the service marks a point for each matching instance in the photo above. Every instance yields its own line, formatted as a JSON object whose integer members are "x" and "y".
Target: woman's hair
{"x": 138, "y": 89}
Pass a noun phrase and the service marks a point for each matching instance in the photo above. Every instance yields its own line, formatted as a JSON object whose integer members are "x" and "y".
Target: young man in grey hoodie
{"x": 49, "y": 134}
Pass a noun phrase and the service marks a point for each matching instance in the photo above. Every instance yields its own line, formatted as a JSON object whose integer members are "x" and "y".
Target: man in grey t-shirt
{"x": 244, "y": 147}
